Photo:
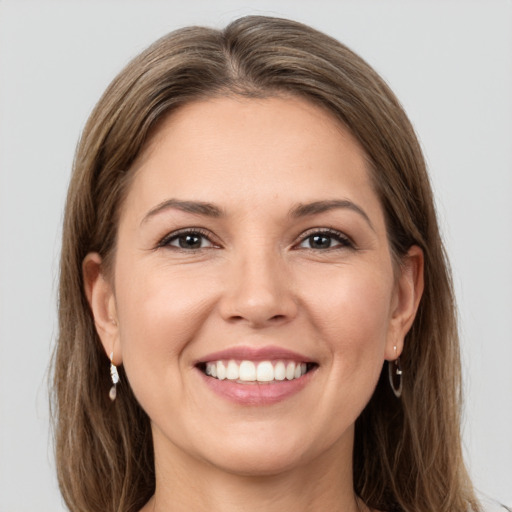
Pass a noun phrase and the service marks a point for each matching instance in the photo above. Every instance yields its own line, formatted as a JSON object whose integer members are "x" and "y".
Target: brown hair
{"x": 407, "y": 453}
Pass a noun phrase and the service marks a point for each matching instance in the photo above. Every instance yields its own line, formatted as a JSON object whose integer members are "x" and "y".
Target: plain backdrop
{"x": 450, "y": 63}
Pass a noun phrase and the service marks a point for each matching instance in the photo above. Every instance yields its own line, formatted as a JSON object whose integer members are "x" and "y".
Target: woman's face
{"x": 251, "y": 245}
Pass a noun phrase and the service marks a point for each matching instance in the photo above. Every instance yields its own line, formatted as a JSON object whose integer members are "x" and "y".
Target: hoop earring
{"x": 395, "y": 374}
{"x": 115, "y": 379}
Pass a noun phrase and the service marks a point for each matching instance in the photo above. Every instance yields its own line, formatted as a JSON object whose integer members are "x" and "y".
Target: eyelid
{"x": 165, "y": 241}
{"x": 345, "y": 241}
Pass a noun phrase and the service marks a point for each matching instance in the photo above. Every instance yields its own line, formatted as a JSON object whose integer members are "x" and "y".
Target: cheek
{"x": 159, "y": 314}
{"x": 158, "y": 305}
{"x": 352, "y": 314}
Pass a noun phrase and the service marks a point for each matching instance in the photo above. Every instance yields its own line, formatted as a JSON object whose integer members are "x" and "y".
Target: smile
{"x": 256, "y": 376}
{"x": 247, "y": 371}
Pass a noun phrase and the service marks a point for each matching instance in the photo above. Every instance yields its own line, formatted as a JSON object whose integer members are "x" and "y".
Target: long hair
{"x": 407, "y": 452}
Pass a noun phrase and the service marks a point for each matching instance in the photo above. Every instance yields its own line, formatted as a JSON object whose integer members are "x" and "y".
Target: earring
{"x": 395, "y": 374}
{"x": 115, "y": 379}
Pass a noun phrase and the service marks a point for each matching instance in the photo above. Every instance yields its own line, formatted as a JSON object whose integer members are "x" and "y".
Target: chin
{"x": 258, "y": 462}
{"x": 261, "y": 453}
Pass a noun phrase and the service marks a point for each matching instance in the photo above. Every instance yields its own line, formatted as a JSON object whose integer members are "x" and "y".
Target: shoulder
{"x": 495, "y": 507}
{"x": 490, "y": 505}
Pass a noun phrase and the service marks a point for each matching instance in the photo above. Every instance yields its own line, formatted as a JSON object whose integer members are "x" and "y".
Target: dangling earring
{"x": 115, "y": 379}
{"x": 395, "y": 373}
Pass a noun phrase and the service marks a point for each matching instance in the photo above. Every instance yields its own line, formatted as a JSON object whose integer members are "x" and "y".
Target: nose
{"x": 258, "y": 291}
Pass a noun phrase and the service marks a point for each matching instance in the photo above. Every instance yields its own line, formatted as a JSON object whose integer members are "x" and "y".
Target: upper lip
{"x": 248, "y": 353}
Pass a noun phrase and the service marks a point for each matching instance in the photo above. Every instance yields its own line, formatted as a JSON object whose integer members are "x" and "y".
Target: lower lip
{"x": 255, "y": 393}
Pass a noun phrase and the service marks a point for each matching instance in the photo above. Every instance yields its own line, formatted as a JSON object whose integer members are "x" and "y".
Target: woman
{"x": 250, "y": 244}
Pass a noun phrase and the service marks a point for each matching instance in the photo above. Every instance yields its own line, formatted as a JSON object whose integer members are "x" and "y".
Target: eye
{"x": 325, "y": 239}
{"x": 187, "y": 240}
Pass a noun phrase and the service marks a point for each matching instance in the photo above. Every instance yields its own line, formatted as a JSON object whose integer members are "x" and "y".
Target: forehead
{"x": 238, "y": 149}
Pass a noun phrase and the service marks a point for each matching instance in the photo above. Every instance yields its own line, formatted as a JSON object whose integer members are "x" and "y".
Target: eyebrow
{"x": 298, "y": 211}
{"x": 317, "y": 207}
{"x": 196, "y": 207}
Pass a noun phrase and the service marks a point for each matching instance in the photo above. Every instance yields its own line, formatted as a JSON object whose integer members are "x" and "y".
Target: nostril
{"x": 258, "y": 321}
{"x": 236, "y": 318}
{"x": 257, "y": 309}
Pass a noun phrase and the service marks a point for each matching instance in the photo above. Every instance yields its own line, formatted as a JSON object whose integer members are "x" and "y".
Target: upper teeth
{"x": 248, "y": 371}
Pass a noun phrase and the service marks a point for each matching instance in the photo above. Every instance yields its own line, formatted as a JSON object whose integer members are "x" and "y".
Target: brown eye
{"x": 319, "y": 241}
{"x": 322, "y": 240}
{"x": 187, "y": 240}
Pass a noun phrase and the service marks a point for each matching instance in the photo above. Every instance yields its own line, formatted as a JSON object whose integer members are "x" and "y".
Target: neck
{"x": 184, "y": 483}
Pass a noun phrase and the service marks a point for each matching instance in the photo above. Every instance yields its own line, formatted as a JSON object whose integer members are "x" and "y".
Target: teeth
{"x": 279, "y": 371}
{"x": 232, "y": 373}
{"x": 265, "y": 372}
{"x": 248, "y": 371}
{"x": 290, "y": 371}
{"x": 221, "y": 370}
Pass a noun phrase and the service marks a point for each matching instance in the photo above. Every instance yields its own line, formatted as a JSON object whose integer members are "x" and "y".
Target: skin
{"x": 257, "y": 280}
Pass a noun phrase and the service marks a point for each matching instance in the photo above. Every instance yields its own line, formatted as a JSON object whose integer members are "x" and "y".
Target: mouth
{"x": 256, "y": 376}
{"x": 248, "y": 371}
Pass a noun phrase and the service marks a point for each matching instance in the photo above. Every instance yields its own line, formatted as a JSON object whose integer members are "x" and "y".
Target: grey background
{"x": 450, "y": 63}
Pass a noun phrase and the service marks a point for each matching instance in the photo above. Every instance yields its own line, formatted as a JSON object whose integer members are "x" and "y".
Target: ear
{"x": 101, "y": 298}
{"x": 406, "y": 299}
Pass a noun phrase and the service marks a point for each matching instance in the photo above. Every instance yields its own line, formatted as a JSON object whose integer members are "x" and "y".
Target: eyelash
{"x": 343, "y": 240}
{"x": 166, "y": 241}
